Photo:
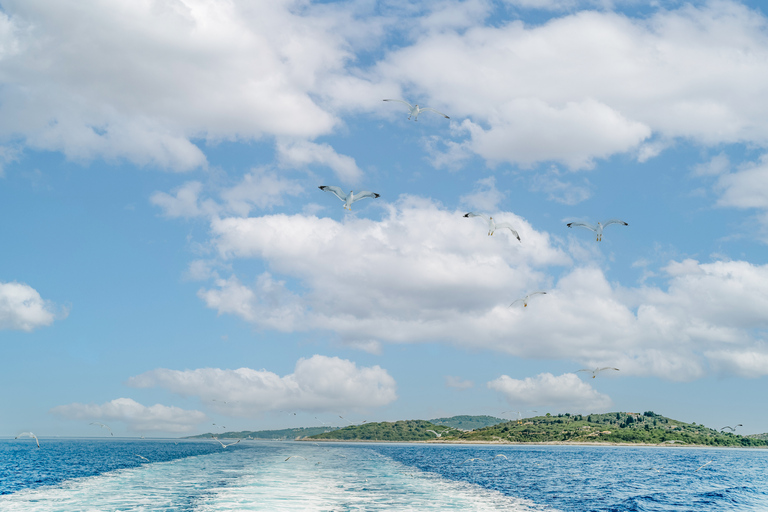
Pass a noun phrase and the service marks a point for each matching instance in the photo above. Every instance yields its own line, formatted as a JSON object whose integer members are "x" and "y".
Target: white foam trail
{"x": 335, "y": 479}
{"x": 328, "y": 478}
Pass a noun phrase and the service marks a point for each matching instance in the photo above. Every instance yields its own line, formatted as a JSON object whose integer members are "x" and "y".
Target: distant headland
{"x": 608, "y": 428}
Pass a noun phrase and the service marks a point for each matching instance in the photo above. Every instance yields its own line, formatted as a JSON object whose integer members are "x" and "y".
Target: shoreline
{"x": 534, "y": 443}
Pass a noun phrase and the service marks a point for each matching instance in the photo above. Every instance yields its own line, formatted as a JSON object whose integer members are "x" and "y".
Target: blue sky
{"x": 170, "y": 266}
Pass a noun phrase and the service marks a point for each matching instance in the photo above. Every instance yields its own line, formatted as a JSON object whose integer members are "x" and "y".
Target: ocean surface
{"x": 184, "y": 475}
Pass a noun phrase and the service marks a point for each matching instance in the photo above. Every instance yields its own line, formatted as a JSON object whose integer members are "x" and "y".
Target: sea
{"x": 200, "y": 475}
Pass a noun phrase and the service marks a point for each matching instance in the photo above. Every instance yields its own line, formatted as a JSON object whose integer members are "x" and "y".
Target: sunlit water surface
{"x": 157, "y": 475}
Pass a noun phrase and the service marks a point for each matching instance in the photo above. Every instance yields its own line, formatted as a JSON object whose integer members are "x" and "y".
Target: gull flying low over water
{"x": 493, "y": 225}
{"x": 595, "y": 371}
{"x": 415, "y": 110}
{"x": 524, "y": 300}
{"x": 348, "y": 198}
{"x": 28, "y": 434}
{"x": 225, "y": 445}
{"x": 103, "y": 426}
{"x": 598, "y": 229}
{"x": 294, "y": 457}
{"x": 438, "y": 434}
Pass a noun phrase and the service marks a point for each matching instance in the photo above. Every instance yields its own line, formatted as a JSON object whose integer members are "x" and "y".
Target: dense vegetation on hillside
{"x": 615, "y": 427}
{"x": 468, "y": 422}
{"x": 410, "y": 430}
{"x": 284, "y": 434}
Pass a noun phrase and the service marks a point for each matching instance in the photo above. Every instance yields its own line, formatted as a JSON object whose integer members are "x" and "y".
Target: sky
{"x": 170, "y": 266}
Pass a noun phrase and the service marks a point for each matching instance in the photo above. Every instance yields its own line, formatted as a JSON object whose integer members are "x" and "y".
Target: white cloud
{"x": 424, "y": 274}
{"x": 259, "y": 188}
{"x": 458, "y": 382}
{"x": 484, "y": 197}
{"x": 183, "y": 204}
{"x": 587, "y": 85}
{"x": 318, "y": 383}
{"x": 566, "y": 392}
{"x": 22, "y": 308}
{"x": 140, "y": 80}
{"x": 746, "y": 188}
{"x": 137, "y": 417}
{"x": 301, "y": 153}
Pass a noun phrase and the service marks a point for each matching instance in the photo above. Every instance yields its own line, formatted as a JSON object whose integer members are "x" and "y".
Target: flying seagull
{"x": 348, "y": 198}
{"x": 28, "y": 434}
{"x": 225, "y": 445}
{"x": 415, "y": 110}
{"x": 706, "y": 463}
{"x": 473, "y": 459}
{"x": 599, "y": 228}
{"x": 524, "y": 300}
{"x": 103, "y": 426}
{"x": 733, "y": 429}
{"x": 142, "y": 457}
{"x": 294, "y": 457}
{"x": 438, "y": 434}
{"x": 595, "y": 371}
{"x": 493, "y": 225}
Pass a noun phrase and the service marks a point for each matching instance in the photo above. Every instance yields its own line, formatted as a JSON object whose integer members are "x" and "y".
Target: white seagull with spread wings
{"x": 28, "y": 434}
{"x": 524, "y": 300}
{"x": 598, "y": 228}
{"x": 415, "y": 110}
{"x": 493, "y": 225}
{"x": 225, "y": 445}
{"x": 348, "y": 198}
{"x": 595, "y": 371}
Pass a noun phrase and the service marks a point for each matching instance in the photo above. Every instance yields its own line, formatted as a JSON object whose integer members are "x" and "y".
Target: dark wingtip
{"x": 466, "y": 215}
{"x": 447, "y": 117}
{"x": 569, "y": 224}
{"x": 322, "y": 187}
{"x": 376, "y": 195}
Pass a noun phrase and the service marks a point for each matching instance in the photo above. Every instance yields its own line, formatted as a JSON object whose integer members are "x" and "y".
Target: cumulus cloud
{"x": 187, "y": 70}
{"x": 302, "y": 153}
{"x": 425, "y": 274}
{"x": 22, "y": 308}
{"x": 317, "y": 384}
{"x": 258, "y": 189}
{"x": 586, "y": 85}
{"x": 566, "y": 392}
{"x": 745, "y": 188}
{"x": 137, "y": 417}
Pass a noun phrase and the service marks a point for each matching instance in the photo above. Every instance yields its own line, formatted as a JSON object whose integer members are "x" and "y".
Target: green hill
{"x": 284, "y": 434}
{"x": 410, "y": 430}
{"x": 614, "y": 427}
{"x": 468, "y": 422}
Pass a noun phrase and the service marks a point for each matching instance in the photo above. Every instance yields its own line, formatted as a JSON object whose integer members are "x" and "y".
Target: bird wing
{"x": 607, "y": 368}
{"x": 401, "y": 101}
{"x": 585, "y": 370}
{"x": 335, "y": 191}
{"x": 582, "y": 225}
{"x": 430, "y": 109}
{"x": 501, "y": 225}
{"x": 513, "y": 303}
{"x": 230, "y": 444}
{"x": 363, "y": 194}
{"x": 614, "y": 221}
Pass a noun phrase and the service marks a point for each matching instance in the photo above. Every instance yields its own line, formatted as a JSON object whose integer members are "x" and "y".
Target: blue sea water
{"x": 185, "y": 475}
